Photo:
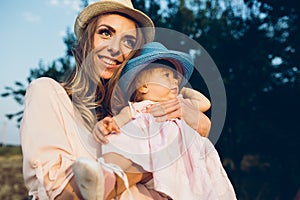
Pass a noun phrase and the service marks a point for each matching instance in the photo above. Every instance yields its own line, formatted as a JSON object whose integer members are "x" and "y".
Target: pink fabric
{"x": 110, "y": 180}
{"x": 52, "y": 137}
{"x": 184, "y": 164}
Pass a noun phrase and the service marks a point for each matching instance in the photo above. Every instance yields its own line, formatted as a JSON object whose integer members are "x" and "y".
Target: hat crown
{"x": 114, "y": 6}
{"x": 156, "y": 51}
{"x": 156, "y": 47}
{"x": 127, "y": 3}
{"x": 153, "y": 47}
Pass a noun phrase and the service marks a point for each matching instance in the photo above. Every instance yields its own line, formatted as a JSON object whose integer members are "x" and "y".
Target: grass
{"x": 11, "y": 178}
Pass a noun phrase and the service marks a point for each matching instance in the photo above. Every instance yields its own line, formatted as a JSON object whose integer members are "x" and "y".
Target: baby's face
{"x": 163, "y": 84}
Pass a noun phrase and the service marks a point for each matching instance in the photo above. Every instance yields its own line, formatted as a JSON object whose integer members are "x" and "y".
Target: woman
{"x": 59, "y": 118}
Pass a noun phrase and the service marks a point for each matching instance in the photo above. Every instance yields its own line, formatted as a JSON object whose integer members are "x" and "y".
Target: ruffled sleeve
{"x": 45, "y": 139}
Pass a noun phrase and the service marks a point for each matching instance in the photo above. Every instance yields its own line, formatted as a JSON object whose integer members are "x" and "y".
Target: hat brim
{"x": 182, "y": 62}
{"x": 112, "y": 6}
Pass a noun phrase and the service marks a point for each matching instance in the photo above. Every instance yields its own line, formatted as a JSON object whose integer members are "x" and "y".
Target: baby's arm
{"x": 123, "y": 117}
{"x": 195, "y": 98}
{"x": 109, "y": 124}
{"x": 126, "y": 165}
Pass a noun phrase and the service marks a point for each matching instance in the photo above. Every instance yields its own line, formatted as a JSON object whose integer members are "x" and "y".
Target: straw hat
{"x": 119, "y": 6}
{"x": 156, "y": 51}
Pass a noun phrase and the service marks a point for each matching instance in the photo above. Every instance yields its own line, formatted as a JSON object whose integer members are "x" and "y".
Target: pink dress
{"x": 52, "y": 137}
{"x": 184, "y": 164}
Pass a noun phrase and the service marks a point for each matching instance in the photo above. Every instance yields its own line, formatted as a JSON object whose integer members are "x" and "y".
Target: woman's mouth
{"x": 109, "y": 62}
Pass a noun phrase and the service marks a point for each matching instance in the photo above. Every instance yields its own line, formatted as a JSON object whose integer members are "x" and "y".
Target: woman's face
{"x": 114, "y": 38}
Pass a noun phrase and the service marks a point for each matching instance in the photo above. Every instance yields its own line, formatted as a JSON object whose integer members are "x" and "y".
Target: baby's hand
{"x": 103, "y": 128}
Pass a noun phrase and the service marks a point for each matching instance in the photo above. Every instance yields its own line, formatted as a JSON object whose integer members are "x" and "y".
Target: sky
{"x": 31, "y": 31}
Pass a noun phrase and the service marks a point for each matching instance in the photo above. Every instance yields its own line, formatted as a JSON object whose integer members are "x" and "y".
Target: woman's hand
{"x": 103, "y": 128}
{"x": 181, "y": 108}
{"x": 165, "y": 110}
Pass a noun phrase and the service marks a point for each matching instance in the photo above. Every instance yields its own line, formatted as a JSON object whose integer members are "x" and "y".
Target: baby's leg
{"x": 124, "y": 163}
{"x": 93, "y": 181}
{"x": 117, "y": 159}
{"x": 135, "y": 173}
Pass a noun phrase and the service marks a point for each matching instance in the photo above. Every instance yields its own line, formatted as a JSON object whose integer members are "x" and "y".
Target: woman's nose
{"x": 113, "y": 46}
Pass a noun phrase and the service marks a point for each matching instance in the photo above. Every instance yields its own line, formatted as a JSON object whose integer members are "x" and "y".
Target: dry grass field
{"x": 11, "y": 178}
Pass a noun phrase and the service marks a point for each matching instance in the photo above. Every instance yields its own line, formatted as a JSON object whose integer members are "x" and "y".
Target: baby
{"x": 184, "y": 164}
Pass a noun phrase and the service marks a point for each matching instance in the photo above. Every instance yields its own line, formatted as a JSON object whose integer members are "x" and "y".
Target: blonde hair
{"x": 87, "y": 91}
{"x": 140, "y": 80}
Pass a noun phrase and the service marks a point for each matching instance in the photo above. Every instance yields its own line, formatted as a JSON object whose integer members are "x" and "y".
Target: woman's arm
{"x": 196, "y": 99}
{"x": 195, "y": 118}
{"x": 47, "y": 153}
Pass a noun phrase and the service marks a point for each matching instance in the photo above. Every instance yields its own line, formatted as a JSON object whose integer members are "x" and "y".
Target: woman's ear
{"x": 144, "y": 89}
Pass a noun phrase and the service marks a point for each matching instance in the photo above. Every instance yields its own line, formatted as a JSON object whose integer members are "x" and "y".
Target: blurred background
{"x": 254, "y": 43}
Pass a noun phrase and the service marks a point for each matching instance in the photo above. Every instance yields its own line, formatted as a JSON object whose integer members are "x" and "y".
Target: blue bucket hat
{"x": 150, "y": 53}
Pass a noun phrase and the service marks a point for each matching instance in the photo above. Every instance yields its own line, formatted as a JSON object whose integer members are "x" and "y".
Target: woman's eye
{"x": 104, "y": 32}
{"x": 129, "y": 42}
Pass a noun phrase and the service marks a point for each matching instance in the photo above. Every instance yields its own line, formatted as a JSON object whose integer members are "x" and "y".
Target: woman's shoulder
{"x": 44, "y": 81}
{"x": 44, "y": 85}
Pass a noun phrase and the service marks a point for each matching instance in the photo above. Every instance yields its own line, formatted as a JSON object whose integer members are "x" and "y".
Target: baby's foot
{"x": 89, "y": 178}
